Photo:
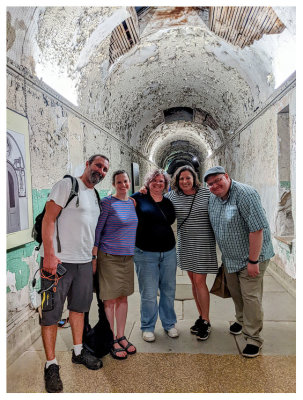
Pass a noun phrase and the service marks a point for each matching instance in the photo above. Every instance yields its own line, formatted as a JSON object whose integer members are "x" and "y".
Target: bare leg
{"x": 121, "y": 315}
{"x": 109, "y": 308}
{"x": 202, "y": 294}
{"x": 194, "y": 290}
{"x": 49, "y": 335}
{"x": 76, "y": 321}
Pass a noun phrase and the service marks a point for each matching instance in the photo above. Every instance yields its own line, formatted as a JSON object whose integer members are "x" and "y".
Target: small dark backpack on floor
{"x": 99, "y": 339}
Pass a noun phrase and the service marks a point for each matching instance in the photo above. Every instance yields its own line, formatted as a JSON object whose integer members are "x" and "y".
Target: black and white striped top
{"x": 196, "y": 245}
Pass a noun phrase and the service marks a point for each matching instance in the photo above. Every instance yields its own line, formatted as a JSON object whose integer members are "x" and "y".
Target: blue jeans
{"x": 156, "y": 270}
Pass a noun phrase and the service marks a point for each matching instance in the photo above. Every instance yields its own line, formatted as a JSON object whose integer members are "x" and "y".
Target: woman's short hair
{"x": 151, "y": 176}
{"x": 118, "y": 172}
{"x": 176, "y": 178}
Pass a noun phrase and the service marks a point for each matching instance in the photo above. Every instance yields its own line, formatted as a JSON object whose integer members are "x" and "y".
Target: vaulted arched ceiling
{"x": 128, "y": 69}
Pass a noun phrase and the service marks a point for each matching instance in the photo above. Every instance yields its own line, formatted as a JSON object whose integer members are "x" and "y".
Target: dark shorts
{"x": 76, "y": 285}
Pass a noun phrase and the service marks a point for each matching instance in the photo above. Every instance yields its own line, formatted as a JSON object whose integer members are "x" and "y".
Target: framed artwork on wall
{"x": 19, "y": 211}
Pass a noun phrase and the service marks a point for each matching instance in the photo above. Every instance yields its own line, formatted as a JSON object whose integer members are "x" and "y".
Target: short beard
{"x": 95, "y": 177}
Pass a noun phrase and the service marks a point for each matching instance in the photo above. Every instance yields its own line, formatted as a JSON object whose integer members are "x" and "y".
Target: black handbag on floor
{"x": 99, "y": 339}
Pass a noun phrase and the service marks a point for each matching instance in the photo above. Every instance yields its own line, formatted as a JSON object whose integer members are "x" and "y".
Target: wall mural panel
{"x": 19, "y": 214}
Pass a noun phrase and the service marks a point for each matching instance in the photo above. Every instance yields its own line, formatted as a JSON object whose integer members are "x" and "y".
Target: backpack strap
{"x": 98, "y": 198}
{"x": 74, "y": 192}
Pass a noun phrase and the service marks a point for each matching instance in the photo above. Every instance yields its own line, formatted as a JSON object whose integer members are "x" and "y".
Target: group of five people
{"x": 138, "y": 229}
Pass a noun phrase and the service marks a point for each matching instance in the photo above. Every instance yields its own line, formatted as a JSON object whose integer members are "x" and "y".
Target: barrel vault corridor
{"x": 153, "y": 86}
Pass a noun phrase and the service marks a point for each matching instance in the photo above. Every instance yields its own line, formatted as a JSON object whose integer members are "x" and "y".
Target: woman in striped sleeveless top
{"x": 196, "y": 245}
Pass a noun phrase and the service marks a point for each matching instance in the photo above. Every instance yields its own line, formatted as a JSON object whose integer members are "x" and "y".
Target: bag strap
{"x": 192, "y": 203}
{"x": 159, "y": 208}
{"x": 74, "y": 192}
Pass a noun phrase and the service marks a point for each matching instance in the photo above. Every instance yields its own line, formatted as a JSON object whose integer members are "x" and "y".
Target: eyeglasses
{"x": 216, "y": 181}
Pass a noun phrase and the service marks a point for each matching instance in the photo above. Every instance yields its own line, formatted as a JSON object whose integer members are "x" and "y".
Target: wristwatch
{"x": 253, "y": 262}
{"x": 94, "y": 257}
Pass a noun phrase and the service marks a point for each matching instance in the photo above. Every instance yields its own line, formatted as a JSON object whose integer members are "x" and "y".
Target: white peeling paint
{"x": 143, "y": 53}
{"x": 280, "y": 50}
{"x": 11, "y": 281}
{"x": 105, "y": 27}
{"x": 288, "y": 16}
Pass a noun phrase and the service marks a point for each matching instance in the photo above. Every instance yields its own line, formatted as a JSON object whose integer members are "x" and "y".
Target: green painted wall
{"x": 14, "y": 257}
{"x": 103, "y": 192}
{"x": 39, "y": 200}
{"x": 18, "y": 267}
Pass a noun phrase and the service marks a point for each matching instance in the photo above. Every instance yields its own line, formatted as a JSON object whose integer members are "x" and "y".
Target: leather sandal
{"x": 113, "y": 351}
{"x": 129, "y": 344}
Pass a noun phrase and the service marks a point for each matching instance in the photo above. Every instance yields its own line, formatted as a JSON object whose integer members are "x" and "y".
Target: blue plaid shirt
{"x": 232, "y": 221}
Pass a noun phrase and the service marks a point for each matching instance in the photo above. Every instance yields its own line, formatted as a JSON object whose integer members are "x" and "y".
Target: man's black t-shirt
{"x": 154, "y": 232}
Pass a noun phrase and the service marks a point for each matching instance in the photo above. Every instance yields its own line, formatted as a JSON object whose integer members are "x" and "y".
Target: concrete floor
{"x": 183, "y": 364}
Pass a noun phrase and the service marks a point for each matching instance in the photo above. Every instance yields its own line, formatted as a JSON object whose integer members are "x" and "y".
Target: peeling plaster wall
{"x": 251, "y": 157}
{"x": 178, "y": 62}
{"x": 58, "y": 43}
{"x": 22, "y": 27}
{"x": 203, "y": 140}
{"x": 165, "y": 71}
{"x": 61, "y": 140}
{"x": 80, "y": 29}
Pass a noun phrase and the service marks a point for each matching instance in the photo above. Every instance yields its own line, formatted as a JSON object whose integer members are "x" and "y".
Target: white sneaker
{"x": 148, "y": 336}
{"x": 172, "y": 332}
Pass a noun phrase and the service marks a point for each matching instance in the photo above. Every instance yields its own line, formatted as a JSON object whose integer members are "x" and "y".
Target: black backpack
{"x": 37, "y": 228}
{"x": 99, "y": 339}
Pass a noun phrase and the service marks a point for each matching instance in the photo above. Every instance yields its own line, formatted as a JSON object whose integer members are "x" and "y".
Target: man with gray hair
{"x": 243, "y": 235}
{"x": 67, "y": 272}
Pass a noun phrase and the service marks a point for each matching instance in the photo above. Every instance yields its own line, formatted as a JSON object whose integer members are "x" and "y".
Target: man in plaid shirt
{"x": 243, "y": 235}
